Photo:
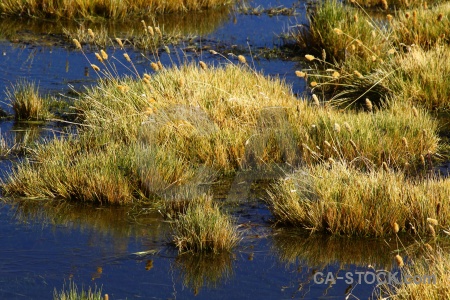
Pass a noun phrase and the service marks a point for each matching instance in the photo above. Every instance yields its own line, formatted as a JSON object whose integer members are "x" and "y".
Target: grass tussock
{"x": 72, "y": 293}
{"x": 26, "y": 102}
{"x": 389, "y": 5}
{"x": 344, "y": 201}
{"x": 100, "y": 8}
{"x": 337, "y": 32}
{"x": 204, "y": 228}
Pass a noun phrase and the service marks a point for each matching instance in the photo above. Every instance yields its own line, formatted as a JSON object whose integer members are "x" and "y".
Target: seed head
{"x": 95, "y": 67}
{"x": 160, "y": 66}
{"x": 313, "y": 83}
{"x": 300, "y": 74}
{"x": 353, "y": 145}
{"x": 158, "y": 31}
{"x": 391, "y": 51}
{"x": 405, "y": 142}
{"x": 203, "y": 65}
{"x": 338, "y": 31}
{"x": 355, "y": 18}
{"x": 432, "y": 221}
{"x": 425, "y": 5}
{"x": 127, "y": 57}
{"x": 77, "y": 44}
{"x": 407, "y": 15}
{"x": 384, "y": 4}
{"x": 431, "y": 230}
{"x": 369, "y": 105}
{"x": 336, "y": 74}
{"x": 337, "y": 127}
{"x": 242, "y": 59}
{"x": 166, "y": 48}
{"x": 415, "y": 112}
{"x": 213, "y": 52}
{"x": 399, "y": 261}
{"x": 439, "y": 17}
{"x": 347, "y": 127}
{"x": 395, "y": 227}
{"x": 104, "y": 54}
{"x": 358, "y": 74}
{"x": 154, "y": 66}
{"x": 150, "y": 31}
{"x": 99, "y": 58}
{"x": 119, "y": 41}
{"x": 309, "y": 57}
{"x": 389, "y": 17}
{"x": 316, "y": 100}
{"x": 91, "y": 33}
{"x": 385, "y": 166}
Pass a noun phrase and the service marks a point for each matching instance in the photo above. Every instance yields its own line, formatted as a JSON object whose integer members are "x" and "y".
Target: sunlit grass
{"x": 101, "y": 8}
{"x": 73, "y": 293}
{"x": 26, "y": 102}
{"x": 204, "y": 228}
{"x": 340, "y": 200}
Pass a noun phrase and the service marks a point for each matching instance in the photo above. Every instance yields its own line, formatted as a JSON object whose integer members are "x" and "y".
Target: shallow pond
{"x": 46, "y": 244}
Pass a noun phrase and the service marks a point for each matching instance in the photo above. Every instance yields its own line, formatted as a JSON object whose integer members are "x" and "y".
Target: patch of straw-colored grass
{"x": 422, "y": 27}
{"x": 204, "y": 228}
{"x": 26, "y": 102}
{"x": 337, "y": 32}
{"x": 344, "y": 201}
{"x": 100, "y": 8}
{"x": 73, "y": 293}
{"x": 422, "y": 78}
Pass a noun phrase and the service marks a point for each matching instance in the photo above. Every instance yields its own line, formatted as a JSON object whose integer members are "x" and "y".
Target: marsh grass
{"x": 341, "y": 200}
{"x": 422, "y": 27}
{"x": 390, "y": 5}
{"x": 199, "y": 124}
{"x": 422, "y": 78}
{"x": 337, "y": 32}
{"x": 26, "y": 102}
{"x": 204, "y": 228}
{"x": 110, "y": 9}
{"x": 73, "y": 293}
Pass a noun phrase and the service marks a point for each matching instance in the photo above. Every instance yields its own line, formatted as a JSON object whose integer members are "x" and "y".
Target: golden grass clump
{"x": 345, "y": 201}
{"x": 26, "y": 102}
{"x": 204, "y": 228}
{"x": 73, "y": 293}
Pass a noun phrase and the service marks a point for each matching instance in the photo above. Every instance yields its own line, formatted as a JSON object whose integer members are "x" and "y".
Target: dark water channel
{"x": 46, "y": 244}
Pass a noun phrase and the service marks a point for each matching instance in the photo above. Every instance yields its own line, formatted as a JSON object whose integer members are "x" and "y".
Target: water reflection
{"x": 318, "y": 251}
{"x": 117, "y": 222}
{"x": 51, "y": 33}
{"x": 204, "y": 270}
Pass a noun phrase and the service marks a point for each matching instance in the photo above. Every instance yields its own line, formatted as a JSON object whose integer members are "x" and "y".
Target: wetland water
{"x": 45, "y": 244}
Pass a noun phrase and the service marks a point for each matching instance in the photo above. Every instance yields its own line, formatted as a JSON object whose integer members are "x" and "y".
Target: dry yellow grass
{"x": 102, "y": 8}
{"x": 341, "y": 200}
